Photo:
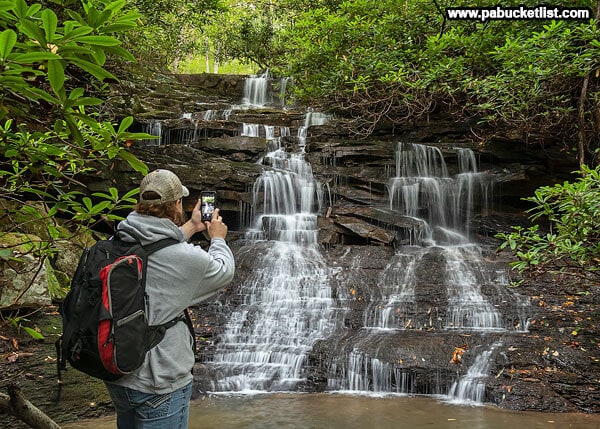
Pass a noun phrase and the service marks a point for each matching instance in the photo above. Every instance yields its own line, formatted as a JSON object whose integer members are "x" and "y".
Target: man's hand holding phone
{"x": 216, "y": 228}
{"x": 210, "y": 215}
{"x": 206, "y": 217}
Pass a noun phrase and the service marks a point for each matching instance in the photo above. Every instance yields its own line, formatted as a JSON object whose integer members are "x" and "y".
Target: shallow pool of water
{"x": 342, "y": 411}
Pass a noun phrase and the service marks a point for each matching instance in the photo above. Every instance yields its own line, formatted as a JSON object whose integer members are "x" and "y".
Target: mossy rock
{"x": 30, "y": 217}
{"x": 26, "y": 275}
{"x": 23, "y": 283}
{"x": 65, "y": 262}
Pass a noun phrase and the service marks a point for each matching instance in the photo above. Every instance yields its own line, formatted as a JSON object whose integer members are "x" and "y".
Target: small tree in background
{"x": 572, "y": 244}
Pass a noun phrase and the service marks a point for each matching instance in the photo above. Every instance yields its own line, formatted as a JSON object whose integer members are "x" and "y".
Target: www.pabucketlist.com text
{"x": 484, "y": 14}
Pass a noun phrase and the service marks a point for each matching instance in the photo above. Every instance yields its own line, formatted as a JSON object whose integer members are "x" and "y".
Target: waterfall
{"x": 251, "y": 130}
{"x": 467, "y": 307}
{"x": 311, "y": 119}
{"x": 442, "y": 259}
{"x": 287, "y": 306}
{"x": 296, "y": 322}
{"x": 256, "y": 91}
{"x": 287, "y": 302}
{"x": 216, "y": 115}
{"x": 168, "y": 136}
{"x": 471, "y": 386}
{"x": 154, "y": 128}
{"x": 396, "y": 305}
{"x": 423, "y": 189}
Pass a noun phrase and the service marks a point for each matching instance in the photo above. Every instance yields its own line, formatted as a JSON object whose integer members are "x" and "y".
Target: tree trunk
{"x": 581, "y": 125}
{"x": 581, "y": 135}
{"x": 15, "y": 404}
{"x": 207, "y": 57}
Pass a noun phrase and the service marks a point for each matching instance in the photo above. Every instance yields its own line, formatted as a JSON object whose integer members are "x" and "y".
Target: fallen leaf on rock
{"x": 457, "y": 355}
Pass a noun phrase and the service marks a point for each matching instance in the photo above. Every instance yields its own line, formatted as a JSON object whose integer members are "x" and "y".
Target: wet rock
{"x": 361, "y": 238}
{"x": 238, "y": 149}
{"x": 365, "y": 230}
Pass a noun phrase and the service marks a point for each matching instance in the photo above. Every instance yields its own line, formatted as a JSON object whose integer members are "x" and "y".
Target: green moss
{"x": 54, "y": 286}
{"x": 21, "y": 243}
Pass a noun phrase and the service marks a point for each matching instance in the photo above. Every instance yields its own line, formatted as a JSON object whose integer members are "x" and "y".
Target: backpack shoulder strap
{"x": 185, "y": 317}
{"x": 160, "y": 244}
{"x": 157, "y": 331}
{"x": 152, "y": 247}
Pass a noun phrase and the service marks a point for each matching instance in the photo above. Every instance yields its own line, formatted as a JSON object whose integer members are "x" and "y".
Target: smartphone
{"x": 208, "y": 201}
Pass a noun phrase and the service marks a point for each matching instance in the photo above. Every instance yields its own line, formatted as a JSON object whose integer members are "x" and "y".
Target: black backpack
{"x": 105, "y": 328}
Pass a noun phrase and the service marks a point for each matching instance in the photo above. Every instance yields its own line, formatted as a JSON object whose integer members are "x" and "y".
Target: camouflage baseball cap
{"x": 166, "y": 184}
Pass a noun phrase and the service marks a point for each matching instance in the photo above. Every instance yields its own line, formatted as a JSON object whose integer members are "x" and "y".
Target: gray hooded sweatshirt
{"x": 178, "y": 276}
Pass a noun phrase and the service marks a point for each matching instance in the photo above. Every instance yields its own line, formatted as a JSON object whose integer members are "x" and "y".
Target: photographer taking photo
{"x": 157, "y": 394}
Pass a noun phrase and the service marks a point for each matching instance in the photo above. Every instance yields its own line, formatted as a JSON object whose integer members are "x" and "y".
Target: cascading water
{"x": 216, "y": 115}
{"x": 287, "y": 303}
{"x": 440, "y": 251}
{"x": 438, "y": 283}
{"x": 471, "y": 386}
{"x": 251, "y": 130}
{"x": 311, "y": 119}
{"x": 256, "y": 91}
{"x": 154, "y": 128}
{"x": 423, "y": 189}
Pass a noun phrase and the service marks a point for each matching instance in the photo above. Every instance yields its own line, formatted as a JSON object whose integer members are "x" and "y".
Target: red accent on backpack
{"x": 106, "y": 345}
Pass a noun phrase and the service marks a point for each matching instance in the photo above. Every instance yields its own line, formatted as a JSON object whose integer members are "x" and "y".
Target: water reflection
{"x": 341, "y": 411}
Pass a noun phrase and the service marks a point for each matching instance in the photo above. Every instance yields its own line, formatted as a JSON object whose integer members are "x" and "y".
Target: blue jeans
{"x": 138, "y": 410}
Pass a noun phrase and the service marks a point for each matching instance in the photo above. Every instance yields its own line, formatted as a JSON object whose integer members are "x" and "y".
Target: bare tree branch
{"x": 15, "y": 404}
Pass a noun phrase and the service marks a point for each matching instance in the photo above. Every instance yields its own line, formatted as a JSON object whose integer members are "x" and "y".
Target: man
{"x": 157, "y": 395}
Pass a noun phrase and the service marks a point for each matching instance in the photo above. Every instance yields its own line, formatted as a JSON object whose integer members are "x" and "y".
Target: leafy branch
{"x": 52, "y": 76}
{"x": 572, "y": 244}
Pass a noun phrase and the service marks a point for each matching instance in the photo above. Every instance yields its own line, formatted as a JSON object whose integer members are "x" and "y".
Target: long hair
{"x": 166, "y": 210}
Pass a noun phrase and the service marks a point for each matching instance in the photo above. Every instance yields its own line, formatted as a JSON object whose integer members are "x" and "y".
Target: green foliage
{"x": 363, "y": 56}
{"x": 246, "y": 32}
{"x": 198, "y": 65}
{"x": 171, "y": 31}
{"x": 17, "y": 323}
{"x": 396, "y": 60}
{"x": 49, "y": 130}
{"x": 532, "y": 88}
{"x": 573, "y": 241}
{"x": 38, "y": 56}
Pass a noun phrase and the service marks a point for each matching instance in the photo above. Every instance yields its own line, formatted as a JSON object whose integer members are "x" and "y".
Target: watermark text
{"x": 484, "y": 14}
